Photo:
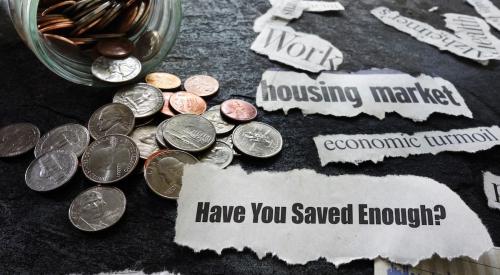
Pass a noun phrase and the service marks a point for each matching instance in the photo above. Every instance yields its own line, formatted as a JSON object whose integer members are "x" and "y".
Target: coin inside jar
{"x": 110, "y": 159}
{"x": 201, "y": 85}
{"x": 257, "y": 139}
{"x": 238, "y": 110}
{"x": 164, "y": 171}
{"x": 17, "y": 139}
{"x": 164, "y": 81}
{"x": 116, "y": 70}
{"x": 191, "y": 133}
{"x": 97, "y": 208}
{"x": 117, "y": 48}
{"x": 70, "y": 137}
{"x": 143, "y": 99}
{"x": 188, "y": 103}
{"x": 51, "y": 170}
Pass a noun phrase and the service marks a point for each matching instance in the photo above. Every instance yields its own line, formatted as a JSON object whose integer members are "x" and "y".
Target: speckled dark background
{"x": 35, "y": 234}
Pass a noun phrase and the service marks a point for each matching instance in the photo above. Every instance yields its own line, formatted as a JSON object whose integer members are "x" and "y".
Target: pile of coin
{"x": 154, "y": 123}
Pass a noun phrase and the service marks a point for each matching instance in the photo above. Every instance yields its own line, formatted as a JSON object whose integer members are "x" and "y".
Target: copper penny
{"x": 188, "y": 103}
{"x": 118, "y": 48}
{"x": 64, "y": 4}
{"x": 163, "y": 81}
{"x": 57, "y": 26}
{"x": 166, "y": 106}
{"x": 201, "y": 85}
{"x": 238, "y": 110}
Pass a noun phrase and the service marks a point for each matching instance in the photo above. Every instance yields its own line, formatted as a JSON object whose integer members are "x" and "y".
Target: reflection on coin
{"x": 188, "y": 103}
{"x": 221, "y": 155}
{"x": 110, "y": 159}
{"x": 159, "y": 134}
{"x": 164, "y": 172}
{"x": 70, "y": 137}
{"x": 201, "y": 85}
{"x": 166, "y": 106}
{"x": 238, "y": 110}
{"x": 257, "y": 139}
{"x": 221, "y": 126}
{"x": 147, "y": 46}
{"x": 51, "y": 170}
{"x": 116, "y": 70}
{"x": 145, "y": 139}
{"x": 163, "y": 81}
{"x": 97, "y": 208}
{"x": 17, "y": 139}
{"x": 111, "y": 119}
{"x": 143, "y": 99}
{"x": 190, "y": 133}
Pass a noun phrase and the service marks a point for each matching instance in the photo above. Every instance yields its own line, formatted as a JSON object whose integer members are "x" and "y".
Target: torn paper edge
{"x": 488, "y": 11}
{"x": 489, "y": 191}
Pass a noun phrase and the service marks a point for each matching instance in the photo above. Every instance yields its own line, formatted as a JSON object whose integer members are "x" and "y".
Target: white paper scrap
{"x": 302, "y": 216}
{"x": 492, "y": 189}
{"x": 428, "y": 34}
{"x": 488, "y": 11}
{"x": 268, "y": 19}
{"x": 360, "y": 148}
{"x": 304, "y": 51}
{"x": 374, "y": 92}
{"x": 288, "y": 9}
{"x": 474, "y": 29}
{"x": 321, "y": 6}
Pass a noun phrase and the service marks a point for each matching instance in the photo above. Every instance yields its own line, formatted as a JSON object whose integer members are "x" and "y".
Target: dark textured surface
{"x": 35, "y": 234}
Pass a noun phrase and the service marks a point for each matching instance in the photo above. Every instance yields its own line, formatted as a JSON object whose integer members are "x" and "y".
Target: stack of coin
{"x": 125, "y": 133}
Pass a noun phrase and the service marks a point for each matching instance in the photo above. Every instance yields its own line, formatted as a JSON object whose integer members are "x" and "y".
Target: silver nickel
{"x": 191, "y": 133}
{"x": 145, "y": 139}
{"x": 111, "y": 119}
{"x": 159, "y": 134}
{"x": 143, "y": 99}
{"x": 17, "y": 139}
{"x": 110, "y": 159}
{"x": 164, "y": 172}
{"x": 257, "y": 139}
{"x": 69, "y": 137}
{"x": 51, "y": 170}
{"x": 221, "y": 126}
{"x": 220, "y": 155}
{"x": 97, "y": 208}
{"x": 116, "y": 70}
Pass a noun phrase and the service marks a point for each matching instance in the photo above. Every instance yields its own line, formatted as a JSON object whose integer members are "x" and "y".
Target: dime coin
{"x": 110, "y": 159}
{"x": 166, "y": 110}
{"x": 163, "y": 81}
{"x": 188, "y": 103}
{"x": 201, "y": 85}
{"x": 143, "y": 99}
{"x": 220, "y": 155}
{"x": 110, "y": 119}
{"x": 70, "y": 137}
{"x": 17, "y": 139}
{"x": 51, "y": 170}
{"x": 190, "y": 133}
{"x": 147, "y": 46}
{"x": 238, "y": 110}
{"x": 145, "y": 139}
{"x": 159, "y": 134}
{"x": 115, "y": 48}
{"x": 116, "y": 70}
{"x": 97, "y": 208}
{"x": 257, "y": 139}
{"x": 229, "y": 141}
{"x": 164, "y": 172}
{"x": 221, "y": 126}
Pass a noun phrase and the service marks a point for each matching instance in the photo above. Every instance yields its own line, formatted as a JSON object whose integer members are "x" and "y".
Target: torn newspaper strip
{"x": 428, "y": 34}
{"x": 374, "y": 92}
{"x": 488, "y": 11}
{"x": 302, "y": 216}
{"x": 268, "y": 19}
{"x": 303, "y": 51}
{"x": 360, "y": 148}
{"x": 474, "y": 29}
{"x": 321, "y": 6}
{"x": 492, "y": 189}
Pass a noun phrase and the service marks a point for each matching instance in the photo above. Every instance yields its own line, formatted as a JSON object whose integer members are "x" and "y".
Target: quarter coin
{"x": 188, "y": 103}
{"x": 145, "y": 139}
{"x": 116, "y": 48}
{"x": 69, "y": 137}
{"x": 97, "y": 208}
{"x": 164, "y": 172}
{"x": 221, "y": 126}
{"x": 110, "y": 159}
{"x": 51, "y": 170}
{"x": 110, "y": 119}
{"x": 201, "y": 85}
{"x": 143, "y": 99}
{"x": 220, "y": 155}
{"x": 164, "y": 81}
{"x": 116, "y": 70}
{"x": 189, "y": 133}
{"x": 238, "y": 110}
{"x": 17, "y": 139}
{"x": 257, "y": 139}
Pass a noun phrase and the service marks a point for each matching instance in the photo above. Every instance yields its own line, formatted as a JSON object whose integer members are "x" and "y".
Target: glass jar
{"x": 159, "y": 33}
